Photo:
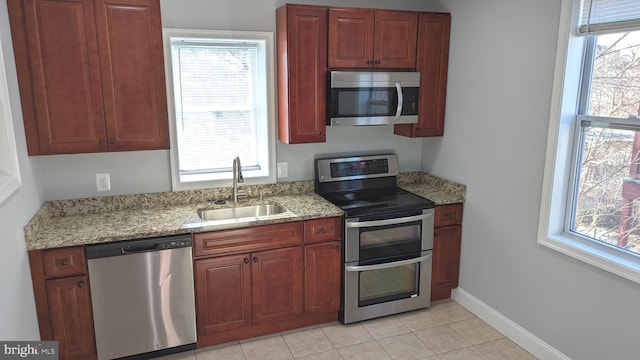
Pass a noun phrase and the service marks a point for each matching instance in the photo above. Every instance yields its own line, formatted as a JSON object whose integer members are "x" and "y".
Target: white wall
{"x": 17, "y": 307}
{"x": 498, "y": 103}
{"x": 65, "y": 176}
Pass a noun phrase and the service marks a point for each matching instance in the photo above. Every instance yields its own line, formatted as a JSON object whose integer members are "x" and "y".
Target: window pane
{"x": 609, "y": 188}
{"x": 217, "y": 105}
{"x": 615, "y": 85}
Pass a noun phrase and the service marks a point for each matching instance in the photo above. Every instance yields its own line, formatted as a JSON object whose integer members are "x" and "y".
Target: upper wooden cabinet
{"x": 301, "y": 33}
{"x": 91, "y": 75}
{"x": 368, "y": 38}
{"x": 432, "y": 63}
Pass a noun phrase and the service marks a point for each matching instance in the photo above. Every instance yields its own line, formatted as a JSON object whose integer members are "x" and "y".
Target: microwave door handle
{"x": 400, "y": 101}
{"x": 394, "y": 221}
{"x": 387, "y": 265}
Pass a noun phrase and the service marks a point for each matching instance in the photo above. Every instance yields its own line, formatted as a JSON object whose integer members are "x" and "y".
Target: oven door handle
{"x": 389, "y": 221}
{"x": 387, "y": 265}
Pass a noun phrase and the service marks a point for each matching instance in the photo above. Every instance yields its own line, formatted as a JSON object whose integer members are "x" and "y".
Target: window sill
{"x": 602, "y": 256}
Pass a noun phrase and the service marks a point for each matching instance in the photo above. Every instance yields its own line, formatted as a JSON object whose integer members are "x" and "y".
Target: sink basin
{"x": 241, "y": 213}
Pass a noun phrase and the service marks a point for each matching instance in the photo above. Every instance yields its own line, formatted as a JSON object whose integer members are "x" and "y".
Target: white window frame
{"x": 251, "y": 177}
{"x": 557, "y": 180}
{"x": 9, "y": 168}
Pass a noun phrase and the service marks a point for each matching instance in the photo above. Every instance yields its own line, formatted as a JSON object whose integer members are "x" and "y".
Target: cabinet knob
{"x": 101, "y": 142}
{"x": 418, "y": 129}
{"x": 338, "y": 248}
{"x": 80, "y": 284}
{"x": 370, "y": 62}
{"x": 63, "y": 263}
{"x": 112, "y": 141}
{"x": 378, "y": 62}
{"x": 322, "y": 134}
{"x": 255, "y": 260}
{"x": 323, "y": 230}
{"x": 435, "y": 235}
{"x": 246, "y": 260}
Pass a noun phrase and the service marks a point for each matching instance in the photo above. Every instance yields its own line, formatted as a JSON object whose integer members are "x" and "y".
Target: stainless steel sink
{"x": 241, "y": 213}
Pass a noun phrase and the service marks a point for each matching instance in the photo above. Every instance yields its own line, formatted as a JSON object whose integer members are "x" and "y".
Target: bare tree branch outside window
{"x": 608, "y": 193}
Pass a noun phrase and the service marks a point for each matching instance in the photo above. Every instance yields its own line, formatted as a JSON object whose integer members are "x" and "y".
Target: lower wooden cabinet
{"x": 291, "y": 280}
{"x": 446, "y": 261}
{"x": 241, "y": 290}
{"x": 447, "y": 238}
{"x": 71, "y": 321}
{"x": 322, "y": 277}
{"x": 223, "y": 293}
{"x": 276, "y": 276}
{"x": 63, "y": 302}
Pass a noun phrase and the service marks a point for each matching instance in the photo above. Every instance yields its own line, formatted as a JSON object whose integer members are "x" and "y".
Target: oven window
{"x": 394, "y": 283}
{"x": 382, "y": 242}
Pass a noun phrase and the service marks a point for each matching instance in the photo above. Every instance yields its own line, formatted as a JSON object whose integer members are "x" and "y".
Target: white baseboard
{"x": 510, "y": 329}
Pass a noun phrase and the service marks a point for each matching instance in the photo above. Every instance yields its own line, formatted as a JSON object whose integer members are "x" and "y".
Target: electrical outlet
{"x": 103, "y": 182}
{"x": 283, "y": 169}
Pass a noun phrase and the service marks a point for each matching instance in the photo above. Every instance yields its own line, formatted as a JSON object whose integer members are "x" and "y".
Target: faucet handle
{"x": 263, "y": 192}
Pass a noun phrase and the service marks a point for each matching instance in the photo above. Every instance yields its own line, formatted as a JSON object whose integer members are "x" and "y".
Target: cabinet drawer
{"x": 446, "y": 215}
{"x": 64, "y": 262}
{"x": 247, "y": 239}
{"x": 320, "y": 230}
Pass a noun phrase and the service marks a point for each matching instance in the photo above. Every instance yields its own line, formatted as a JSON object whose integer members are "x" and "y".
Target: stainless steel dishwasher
{"x": 142, "y": 295}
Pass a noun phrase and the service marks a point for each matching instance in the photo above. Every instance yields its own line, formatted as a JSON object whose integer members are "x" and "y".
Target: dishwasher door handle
{"x": 133, "y": 249}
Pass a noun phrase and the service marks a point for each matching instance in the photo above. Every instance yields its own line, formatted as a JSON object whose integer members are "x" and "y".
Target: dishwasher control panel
{"x": 175, "y": 244}
{"x": 129, "y": 247}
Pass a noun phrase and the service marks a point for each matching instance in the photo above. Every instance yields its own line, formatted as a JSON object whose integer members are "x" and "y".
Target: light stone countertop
{"x": 124, "y": 217}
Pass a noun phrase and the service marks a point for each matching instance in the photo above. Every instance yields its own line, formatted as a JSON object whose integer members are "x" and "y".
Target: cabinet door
{"x": 446, "y": 261}
{"x": 351, "y": 33}
{"x": 59, "y": 75}
{"x": 70, "y": 311}
{"x": 130, "y": 44}
{"x": 277, "y": 284}
{"x": 223, "y": 293}
{"x": 302, "y": 67}
{"x": 432, "y": 63}
{"x": 322, "y": 277}
{"x": 395, "y": 39}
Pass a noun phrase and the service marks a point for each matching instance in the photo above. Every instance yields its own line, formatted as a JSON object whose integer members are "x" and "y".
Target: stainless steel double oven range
{"x": 388, "y": 236}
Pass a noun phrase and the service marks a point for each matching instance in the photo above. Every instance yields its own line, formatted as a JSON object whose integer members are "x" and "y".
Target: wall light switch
{"x": 103, "y": 182}
{"x": 283, "y": 169}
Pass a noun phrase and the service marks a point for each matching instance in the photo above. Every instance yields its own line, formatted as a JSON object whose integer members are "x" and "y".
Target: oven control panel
{"x": 357, "y": 167}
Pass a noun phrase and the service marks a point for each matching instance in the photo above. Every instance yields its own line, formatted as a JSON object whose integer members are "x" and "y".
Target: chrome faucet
{"x": 237, "y": 179}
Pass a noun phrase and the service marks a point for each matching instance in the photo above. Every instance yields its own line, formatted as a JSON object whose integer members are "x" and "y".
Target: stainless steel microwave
{"x": 372, "y": 98}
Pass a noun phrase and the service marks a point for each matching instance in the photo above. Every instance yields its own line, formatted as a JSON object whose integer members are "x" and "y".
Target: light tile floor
{"x": 445, "y": 331}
